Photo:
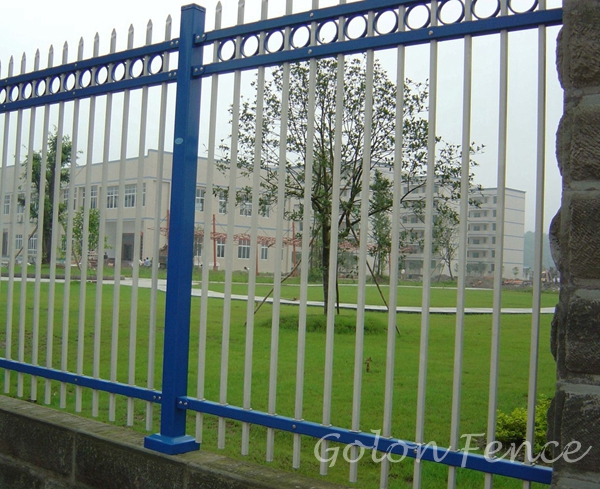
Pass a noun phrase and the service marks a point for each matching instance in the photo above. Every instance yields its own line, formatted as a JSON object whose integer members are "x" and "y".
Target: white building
{"x": 119, "y": 212}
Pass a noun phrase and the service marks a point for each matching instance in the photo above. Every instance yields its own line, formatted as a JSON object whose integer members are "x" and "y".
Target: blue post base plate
{"x": 171, "y": 445}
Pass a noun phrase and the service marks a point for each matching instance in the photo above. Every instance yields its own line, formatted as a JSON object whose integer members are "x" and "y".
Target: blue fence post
{"x": 172, "y": 438}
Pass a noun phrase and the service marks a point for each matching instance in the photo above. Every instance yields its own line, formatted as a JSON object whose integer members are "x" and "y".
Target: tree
{"x": 78, "y": 234}
{"x": 380, "y": 224}
{"x": 50, "y": 177}
{"x": 415, "y": 132}
{"x": 445, "y": 239}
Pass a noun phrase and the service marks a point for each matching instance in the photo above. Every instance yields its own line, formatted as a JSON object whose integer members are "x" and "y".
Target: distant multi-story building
{"x": 482, "y": 232}
{"x": 119, "y": 202}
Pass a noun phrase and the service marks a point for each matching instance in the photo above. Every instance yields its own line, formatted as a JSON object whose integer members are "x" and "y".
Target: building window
{"x": 220, "y": 248}
{"x": 94, "y": 197}
{"x": 495, "y": 200}
{"x": 244, "y": 248}
{"x": 476, "y": 214}
{"x": 475, "y": 254}
{"x": 493, "y": 240}
{"x": 74, "y": 197}
{"x": 493, "y": 227}
{"x": 21, "y": 204}
{"x": 493, "y": 253}
{"x": 200, "y": 199}
{"x": 112, "y": 197}
{"x": 245, "y": 207}
{"x": 476, "y": 228}
{"x": 32, "y": 246}
{"x": 7, "y": 204}
{"x": 222, "y": 202}
{"x": 18, "y": 241}
{"x": 130, "y": 194}
{"x": 493, "y": 213}
{"x": 264, "y": 252}
{"x": 267, "y": 210}
{"x": 198, "y": 246}
{"x": 476, "y": 241}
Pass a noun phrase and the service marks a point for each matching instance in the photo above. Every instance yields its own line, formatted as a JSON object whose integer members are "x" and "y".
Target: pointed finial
{"x": 113, "y": 41}
{"x": 51, "y": 56}
{"x": 80, "y": 49}
{"x": 168, "y": 26}
{"x": 36, "y": 60}
{"x": 149, "y": 32}
{"x": 218, "y": 15}
{"x": 241, "y": 7}
{"x": 11, "y": 65}
{"x": 96, "y": 45}
{"x": 65, "y": 53}
{"x": 264, "y": 10}
{"x": 130, "y": 37}
{"x": 23, "y": 63}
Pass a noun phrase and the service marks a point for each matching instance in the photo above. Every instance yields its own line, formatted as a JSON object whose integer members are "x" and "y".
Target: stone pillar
{"x": 575, "y": 241}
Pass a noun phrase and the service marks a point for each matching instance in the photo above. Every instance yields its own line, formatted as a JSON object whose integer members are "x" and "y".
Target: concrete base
{"x": 44, "y": 448}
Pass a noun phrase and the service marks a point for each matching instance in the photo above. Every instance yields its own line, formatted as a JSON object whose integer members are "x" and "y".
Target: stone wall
{"x": 41, "y": 448}
{"x": 575, "y": 241}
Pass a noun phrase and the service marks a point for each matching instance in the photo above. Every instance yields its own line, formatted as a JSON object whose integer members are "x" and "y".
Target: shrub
{"x": 511, "y": 428}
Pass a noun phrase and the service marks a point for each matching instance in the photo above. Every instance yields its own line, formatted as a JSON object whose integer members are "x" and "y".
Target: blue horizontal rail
{"x": 428, "y": 452}
{"x": 413, "y": 37}
{"x": 83, "y": 381}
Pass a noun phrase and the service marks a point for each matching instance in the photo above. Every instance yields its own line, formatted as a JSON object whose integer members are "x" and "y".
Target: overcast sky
{"x": 28, "y": 25}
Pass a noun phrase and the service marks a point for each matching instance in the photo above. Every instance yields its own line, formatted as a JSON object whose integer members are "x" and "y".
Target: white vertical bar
{"x": 394, "y": 258}
{"x": 9, "y": 294}
{"x": 333, "y": 249}
{"x": 539, "y": 234}
{"x": 306, "y": 241}
{"x": 462, "y": 246}
{"x": 285, "y": 96}
{"x": 260, "y": 91}
{"x": 102, "y": 191}
{"x": 156, "y": 240}
{"x": 208, "y": 213}
{"x": 427, "y": 253}
{"x": 84, "y": 253}
{"x": 363, "y": 257}
{"x": 26, "y": 213}
{"x": 69, "y": 251}
{"x": 119, "y": 242}
{"x": 497, "y": 306}
{"x": 28, "y": 193}
{"x": 55, "y": 238}
{"x": 230, "y": 229}
{"x": 41, "y": 218}
{"x": 137, "y": 236}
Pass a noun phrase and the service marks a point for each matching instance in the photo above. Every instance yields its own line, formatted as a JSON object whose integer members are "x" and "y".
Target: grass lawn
{"x": 513, "y": 374}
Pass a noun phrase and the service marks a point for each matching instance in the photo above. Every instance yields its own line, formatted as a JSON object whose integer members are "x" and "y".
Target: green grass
{"x": 513, "y": 372}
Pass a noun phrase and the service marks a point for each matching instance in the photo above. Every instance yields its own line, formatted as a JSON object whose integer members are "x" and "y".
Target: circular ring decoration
{"x": 40, "y": 88}
{"x": 417, "y": 11}
{"x": 54, "y": 85}
{"x": 136, "y": 69}
{"x": 275, "y": 42}
{"x": 2, "y": 95}
{"x": 356, "y": 27}
{"x": 85, "y": 79}
{"x": 385, "y": 18}
{"x": 250, "y": 46}
{"x": 516, "y": 10}
{"x": 155, "y": 65}
{"x": 13, "y": 93}
{"x": 328, "y": 32}
{"x": 118, "y": 72}
{"x": 27, "y": 90}
{"x": 300, "y": 37}
{"x": 101, "y": 75}
{"x": 227, "y": 50}
{"x": 451, "y": 12}
{"x": 69, "y": 82}
{"x": 483, "y": 9}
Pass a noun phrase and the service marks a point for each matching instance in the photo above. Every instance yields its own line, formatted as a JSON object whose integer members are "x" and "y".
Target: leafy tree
{"x": 78, "y": 234}
{"x": 380, "y": 223}
{"x": 50, "y": 177}
{"x": 383, "y": 124}
{"x": 445, "y": 238}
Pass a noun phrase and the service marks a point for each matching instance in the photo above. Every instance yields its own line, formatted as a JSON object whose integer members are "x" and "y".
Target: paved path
{"x": 162, "y": 285}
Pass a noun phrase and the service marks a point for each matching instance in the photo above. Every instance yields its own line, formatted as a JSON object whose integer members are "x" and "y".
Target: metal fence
{"x": 82, "y": 285}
